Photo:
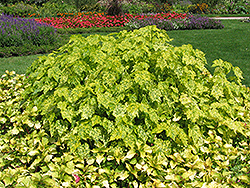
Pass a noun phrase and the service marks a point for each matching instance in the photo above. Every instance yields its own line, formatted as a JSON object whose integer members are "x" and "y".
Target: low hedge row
{"x": 31, "y": 49}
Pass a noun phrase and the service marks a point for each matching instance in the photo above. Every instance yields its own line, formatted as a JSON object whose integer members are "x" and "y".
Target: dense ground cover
{"x": 128, "y": 110}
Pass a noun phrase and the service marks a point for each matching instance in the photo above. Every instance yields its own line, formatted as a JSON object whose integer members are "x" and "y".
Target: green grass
{"x": 230, "y": 44}
{"x": 17, "y": 64}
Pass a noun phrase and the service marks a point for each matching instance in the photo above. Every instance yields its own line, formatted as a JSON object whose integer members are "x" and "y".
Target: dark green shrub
{"x": 189, "y": 23}
{"x": 51, "y": 9}
{"x": 156, "y": 1}
{"x": 12, "y": 2}
{"x": 211, "y": 3}
{"x": 114, "y": 8}
{"x": 6, "y": 2}
{"x": 36, "y": 2}
{"x": 90, "y": 30}
{"x": 134, "y": 7}
{"x": 27, "y": 49}
{"x": 19, "y": 9}
{"x": 81, "y": 5}
{"x": 125, "y": 111}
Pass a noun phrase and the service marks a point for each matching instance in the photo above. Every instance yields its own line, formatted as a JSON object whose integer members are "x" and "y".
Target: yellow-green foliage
{"x": 125, "y": 110}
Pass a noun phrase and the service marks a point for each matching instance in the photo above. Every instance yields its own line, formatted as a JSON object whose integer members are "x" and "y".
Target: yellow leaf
{"x": 14, "y": 131}
{"x": 189, "y": 175}
{"x": 173, "y": 164}
{"x": 99, "y": 158}
{"x": 170, "y": 177}
{"x": 32, "y": 153}
{"x": 48, "y": 158}
{"x": 105, "y": 183}
{"x": 124, "y": 175}
{"x": 130, "y": 154}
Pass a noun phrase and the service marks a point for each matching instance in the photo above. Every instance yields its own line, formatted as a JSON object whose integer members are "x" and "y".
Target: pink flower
{"x": 77, "y": 178}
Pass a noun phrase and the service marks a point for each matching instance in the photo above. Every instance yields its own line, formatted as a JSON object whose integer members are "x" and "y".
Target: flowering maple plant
{"x": 101, "y": 20}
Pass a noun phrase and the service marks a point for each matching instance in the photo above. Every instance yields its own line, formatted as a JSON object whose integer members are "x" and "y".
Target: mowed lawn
{"x": 231, "y": 44}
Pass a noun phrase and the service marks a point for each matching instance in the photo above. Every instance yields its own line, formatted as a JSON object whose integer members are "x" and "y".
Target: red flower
{"x": 77, "y": 178}
{"x": 101, "y": 20}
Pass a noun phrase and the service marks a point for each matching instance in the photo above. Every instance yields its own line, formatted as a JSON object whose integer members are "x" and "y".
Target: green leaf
{"x": 33, "y": 153}
{"x": 133, "y": 110}
{"x": 15, "y": 131}
{"x": 155, "y": 95}
{"x": 2, "y": 185}
{"x": 130, "y": 154}
{"x": 99, "y": 158}
{"x": 119, "y": 110}
{"x": 62, "y": 92}
{"x": 8, "y": 180}
{"x": 238, "y": 73}
{"x": 106, "y": 100}
{"x": 66, "y": 111}
{"x": 70, "y": 167}
{"x": 55, "y": 72}
{"x": 124, "y": 175}
{"x": 76, "y": 93}
{"x": 86, "y": 110}
{"x": 196, "y": 135}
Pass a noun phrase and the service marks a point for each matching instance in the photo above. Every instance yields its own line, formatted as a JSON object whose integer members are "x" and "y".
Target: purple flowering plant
{"x": 190, "y": 22}
{"x": 20, "y": 31}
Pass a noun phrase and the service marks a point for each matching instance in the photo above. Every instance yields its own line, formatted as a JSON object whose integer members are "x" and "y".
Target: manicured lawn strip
{"x": 227, "y": 15}
{"x": 230, "y": 44}
{"x": 26, "y": 50}
{"x": 17, "y": 64}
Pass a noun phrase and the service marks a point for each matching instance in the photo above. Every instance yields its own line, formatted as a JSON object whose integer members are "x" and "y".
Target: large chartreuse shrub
{"x": 125, "y": 110}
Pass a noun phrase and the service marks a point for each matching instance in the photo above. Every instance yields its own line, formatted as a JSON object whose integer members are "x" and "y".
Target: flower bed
{"x": 101, "y": 20}
{"x": 189, "y": 22}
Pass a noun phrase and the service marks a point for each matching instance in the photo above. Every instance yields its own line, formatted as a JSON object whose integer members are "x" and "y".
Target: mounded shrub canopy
{"x": 129, "y": 110}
